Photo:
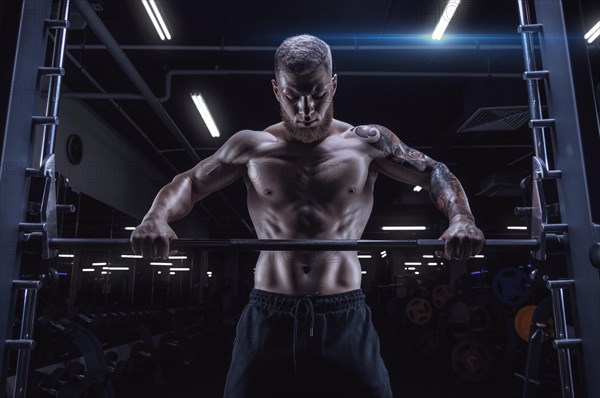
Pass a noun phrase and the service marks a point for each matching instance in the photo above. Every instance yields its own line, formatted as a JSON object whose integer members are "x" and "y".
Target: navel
{"x": 352, "y": 190}
{"x": 268, "y": 192}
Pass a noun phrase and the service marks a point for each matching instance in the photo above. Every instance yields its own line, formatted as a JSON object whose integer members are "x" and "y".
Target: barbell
{"x": 290, "y": 244}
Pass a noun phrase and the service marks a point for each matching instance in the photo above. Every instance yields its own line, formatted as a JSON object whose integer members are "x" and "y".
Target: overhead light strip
{"x": 447, "y": 15}
{"x": 205, "y": 113}
{"x": 404, "y": 228}
{"x": 593, "y": 33}
{"x": 157, "y": 19}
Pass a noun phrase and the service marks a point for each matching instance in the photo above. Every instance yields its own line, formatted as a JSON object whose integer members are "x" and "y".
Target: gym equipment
{"x": 511, "y": 286}
{"x": 419, "y": 311}
{"x": 284, "y": 244}
{"x": 478, "y": 319}
{"x": 441, "y": 294}
{"x": 471, "y": 360}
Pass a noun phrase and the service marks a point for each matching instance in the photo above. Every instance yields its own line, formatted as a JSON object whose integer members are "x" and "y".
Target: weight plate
{"x": 478, "y": 319}
{"x": 511, "y": 286}
{"x": 471, "y": 360}
{"x": 419, "y": 311}
{"x": 441, "y": 294}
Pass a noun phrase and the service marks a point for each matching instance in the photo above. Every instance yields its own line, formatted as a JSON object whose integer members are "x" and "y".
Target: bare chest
{"x": 320, "y": 173}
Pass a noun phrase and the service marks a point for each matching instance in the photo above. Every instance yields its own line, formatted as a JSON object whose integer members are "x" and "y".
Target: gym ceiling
{"x": 432, "y": 94}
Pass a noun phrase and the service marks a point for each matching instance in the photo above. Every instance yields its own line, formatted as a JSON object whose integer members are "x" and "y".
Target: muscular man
{"x": 307, "y": 331}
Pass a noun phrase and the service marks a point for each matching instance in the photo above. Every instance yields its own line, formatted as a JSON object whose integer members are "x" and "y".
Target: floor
{"x": 411, "y": 376}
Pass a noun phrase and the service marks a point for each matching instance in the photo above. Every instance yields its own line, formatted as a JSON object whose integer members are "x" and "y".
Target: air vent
{"x": 508, "y": 118}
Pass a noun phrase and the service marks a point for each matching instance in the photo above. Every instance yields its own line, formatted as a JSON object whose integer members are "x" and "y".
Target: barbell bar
{"x": 290, "y": 244}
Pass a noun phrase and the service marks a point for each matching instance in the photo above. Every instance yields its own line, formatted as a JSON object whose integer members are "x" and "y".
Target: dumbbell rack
{"x": 560, "y": 49}
{"x": 34, "y": 28}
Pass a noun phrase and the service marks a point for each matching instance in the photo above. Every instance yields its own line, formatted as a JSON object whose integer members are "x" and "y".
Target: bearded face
{"x": 306, "y": 103}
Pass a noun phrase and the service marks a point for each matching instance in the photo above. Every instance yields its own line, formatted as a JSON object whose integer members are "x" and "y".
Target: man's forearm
{"x": 447, "y": 194}
{"x": 173, "y": 201}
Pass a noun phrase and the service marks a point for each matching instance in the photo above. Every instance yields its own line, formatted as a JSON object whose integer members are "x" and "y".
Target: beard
{"x": 308, "y": 134}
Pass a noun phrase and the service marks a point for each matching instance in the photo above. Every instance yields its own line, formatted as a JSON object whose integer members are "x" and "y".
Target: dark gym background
{"x": 462, "y": 101}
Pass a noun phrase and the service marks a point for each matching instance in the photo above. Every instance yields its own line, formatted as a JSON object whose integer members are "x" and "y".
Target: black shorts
{"x": 306, "y": 346}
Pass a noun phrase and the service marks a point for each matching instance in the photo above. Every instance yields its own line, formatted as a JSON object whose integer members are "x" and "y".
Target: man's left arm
{"x": 400, "y": 162}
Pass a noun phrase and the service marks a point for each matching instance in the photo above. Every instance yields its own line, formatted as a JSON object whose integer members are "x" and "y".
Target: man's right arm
{"x": 176, "y": 199}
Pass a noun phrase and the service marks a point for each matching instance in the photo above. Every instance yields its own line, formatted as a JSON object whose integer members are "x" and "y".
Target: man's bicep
{"x": 212, "y": 174}
{"x": 395, "y": 159}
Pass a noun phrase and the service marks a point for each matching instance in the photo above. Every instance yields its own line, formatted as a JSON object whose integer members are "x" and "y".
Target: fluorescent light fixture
{"x": 404, "y": 228}
{"x": 383, "y": 252}
{"x": 180, "y": 269}
{"x": 130, "y": 256}
{"x": 159, "y": 263}
{"x": 447, "y": 15}
{"x": 65, "y": 255}
{"x": 593, "y": 33}
{"x": 177, "y": 257}
{"x": 116, "y": 268}
{"x": 129, "y": 228}
{"x": 411, "y": 268}
{"x": 364, "y": 256}
{"x": 159, "y": 272}
{"x": 88, "y": 269}
{"x": 363, "y": 272}
{"x": 516, "y": 227}
{"x": 427, "y": 255}
{"x": 205, "y": 113}
{"x": 104, "y": 272}
{"x": 210, "y": 272}
{"x": 416, "y": 272}
{"x": 157, "y": 19}
{"x": 98, "y": 264}
{"x": 171, "y": 273}
{"x": 479, "y": 256}
{"x": 383, "y": 255}
{"x": 412, "y": 263}
{"x": 417, "y": 188}
{"x": 431, "y": 263}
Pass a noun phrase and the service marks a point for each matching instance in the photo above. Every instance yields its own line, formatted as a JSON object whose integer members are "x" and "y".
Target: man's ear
{"x": 334, "y": 83}
{"x": 275, "y": 89}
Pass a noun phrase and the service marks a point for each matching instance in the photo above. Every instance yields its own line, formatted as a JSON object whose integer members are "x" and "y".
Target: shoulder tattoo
{"x": 393, "y": 149}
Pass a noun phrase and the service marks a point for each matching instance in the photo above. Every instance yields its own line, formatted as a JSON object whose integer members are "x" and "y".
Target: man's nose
{"x": 307, "y": 107}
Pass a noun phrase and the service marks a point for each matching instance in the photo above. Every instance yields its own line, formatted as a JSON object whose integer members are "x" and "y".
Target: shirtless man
{"x": 307, "y": 331}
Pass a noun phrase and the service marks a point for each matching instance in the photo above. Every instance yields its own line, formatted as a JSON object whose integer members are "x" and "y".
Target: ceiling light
{"x": 447, "y": 15}
{"x": 160, "y": 263}
{"x": 157, "y": 19}
{"x": 205, "y": 113}
{"x": 593, "y": 33}
{"x": 65, "y": 255}
{"x": 404, "y": 228}
{"x": 431, "y": 264}
{"x": 416, "y": 272}
{"x": 364, "y": 256}
{"x": 411, "y": 268}
{"x": 130, "y": 256}
{"x": 98, "y": 264}
{"x": 417, "y": 188}
{"x": 129, "y": 228}
{"x": 427, "y": 255}
{"x": 363, "y": 272}
{"x": 88, "y": 270}
{"x": 116, "y": 268}
{"x": 479, "y": 256}
{"x": 412, "y": 263}
{"x": 171, "y": 273}
{"x": 516, "y": 227}
{"x": 180, "y": 269}
{"x": 177, "y": 257}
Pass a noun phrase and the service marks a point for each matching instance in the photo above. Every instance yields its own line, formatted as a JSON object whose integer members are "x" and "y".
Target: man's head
{"x": 304, "y": 87}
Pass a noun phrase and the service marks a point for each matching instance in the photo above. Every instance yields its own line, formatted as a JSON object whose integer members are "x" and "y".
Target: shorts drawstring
{"x": 294, "y": 312}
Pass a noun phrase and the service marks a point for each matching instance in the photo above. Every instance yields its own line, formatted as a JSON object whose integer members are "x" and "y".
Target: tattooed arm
{"x": 400, "y": 162}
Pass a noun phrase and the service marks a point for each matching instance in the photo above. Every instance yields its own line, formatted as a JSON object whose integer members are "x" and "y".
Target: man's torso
{"x": 310, "y": 191}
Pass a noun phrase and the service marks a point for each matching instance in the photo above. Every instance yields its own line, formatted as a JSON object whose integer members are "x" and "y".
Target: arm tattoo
{"x": 445, "y": 190}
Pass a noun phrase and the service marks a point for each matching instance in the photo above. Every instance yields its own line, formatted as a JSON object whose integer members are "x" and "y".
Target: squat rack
{"x": 574, "y": 126}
